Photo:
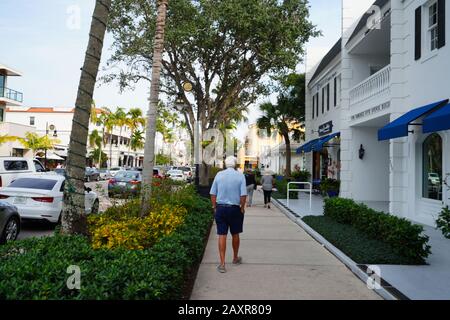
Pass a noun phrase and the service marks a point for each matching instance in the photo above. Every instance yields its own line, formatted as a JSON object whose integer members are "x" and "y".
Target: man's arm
{"x": 243, "y": 201}
{"x": 243, "y": 194}
{"x": 214, "y": 201}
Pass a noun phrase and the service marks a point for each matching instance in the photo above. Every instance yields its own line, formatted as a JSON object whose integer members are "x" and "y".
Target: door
{"x": 316, "y": 166}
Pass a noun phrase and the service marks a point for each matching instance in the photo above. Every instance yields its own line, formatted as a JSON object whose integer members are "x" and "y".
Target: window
{"x": 33, "y": 183}
{"x": 323, "y": 100}
{"x": 432, "y": 167}
{"x": 433, "y": 26}
{"x": 2, "y": 113}
{"x": 317, "y": 104}
{"x": 328, "y": 97}
{"x": 38, "y": 166}
{"x": 335, "y": 91}
{"x": 32, "y": 121}
{"x": 313, "y": 106}
{"x": 2, "y": 85}
{"x": 12, "y": 165}
{"x": 17, "y": 152}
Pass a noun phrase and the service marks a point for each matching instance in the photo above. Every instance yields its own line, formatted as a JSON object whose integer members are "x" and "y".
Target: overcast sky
{"x": 43, "y": 41}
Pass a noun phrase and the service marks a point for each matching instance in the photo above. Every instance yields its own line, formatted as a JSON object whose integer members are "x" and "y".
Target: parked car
{"x": 135, "y": 169}
{"x": 9, "y": 222}
{"x": 114, "y": 170}
{"x": 176, "y": 175}
{"x": 433, "y": 178}
{"x": 158, "y": 173}
{"x": 91, "y": 174}
{"x": 60, "y": 171}
{"x": 187, "y": 171}
{"x": 13, "y": 167}
{"x": 40, "y": 197}
{"x": 105, "y": 174}
{"x": 125, "y": 183}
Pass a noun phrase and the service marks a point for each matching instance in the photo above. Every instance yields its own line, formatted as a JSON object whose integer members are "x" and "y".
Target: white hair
{"x": 230, "y": 162}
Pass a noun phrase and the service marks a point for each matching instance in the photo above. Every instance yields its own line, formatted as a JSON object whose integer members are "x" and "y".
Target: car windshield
{"x": 115, "y": 169}
{"x": 103, "y": 170}
{"x": 184, "y": 169}
{"x": 175, "y": 172}
{"x": 434, "y": 175}
{"x": 33, "y": 183}
{"x": 127, "y": 175}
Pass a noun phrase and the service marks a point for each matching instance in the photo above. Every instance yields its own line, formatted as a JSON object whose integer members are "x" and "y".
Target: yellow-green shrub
{"x": 130, "y": 232}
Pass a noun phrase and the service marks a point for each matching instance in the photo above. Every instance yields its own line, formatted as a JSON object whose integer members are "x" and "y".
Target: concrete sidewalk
{"x": 280, "y": 262}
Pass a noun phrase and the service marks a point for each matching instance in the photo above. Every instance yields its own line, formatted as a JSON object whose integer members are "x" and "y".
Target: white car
{"x": 105, "y": 174}
{"x": 40, "y": 197}
{"x": 13, "y": 167}
{"x": 176, "y": 175}
{"x": 114, "y": 170}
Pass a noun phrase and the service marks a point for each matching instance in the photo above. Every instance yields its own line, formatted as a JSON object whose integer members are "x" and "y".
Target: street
{"x": 39, "y": 229}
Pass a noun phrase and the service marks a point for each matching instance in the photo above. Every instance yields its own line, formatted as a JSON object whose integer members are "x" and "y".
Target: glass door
{"x": 2, "y": 85}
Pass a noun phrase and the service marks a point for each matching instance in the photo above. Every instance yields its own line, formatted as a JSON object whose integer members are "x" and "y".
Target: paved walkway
{"x": 281, "y": 262}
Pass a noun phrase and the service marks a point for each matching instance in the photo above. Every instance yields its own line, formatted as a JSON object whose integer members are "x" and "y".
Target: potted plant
{"x": 330, "y": 187}
{"x": 301, "y": 176}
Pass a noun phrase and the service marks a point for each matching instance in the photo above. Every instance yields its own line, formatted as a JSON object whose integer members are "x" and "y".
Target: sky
{"x": 46, "y": 41}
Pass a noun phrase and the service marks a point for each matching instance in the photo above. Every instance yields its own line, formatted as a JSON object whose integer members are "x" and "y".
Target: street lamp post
{"x": 180, "y": 105}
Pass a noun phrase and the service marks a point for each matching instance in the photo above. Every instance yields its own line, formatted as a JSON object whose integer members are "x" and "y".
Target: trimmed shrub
{"x": 36, "y": 268}
{"x": 282, "y": 186}
{"x": 404, "y": 237}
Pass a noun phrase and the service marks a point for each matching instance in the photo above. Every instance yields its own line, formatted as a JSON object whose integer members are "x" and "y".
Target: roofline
{"x": 327, "y": 59}
{"x": 362, "y": 22}
{"x": 10, "y": 71}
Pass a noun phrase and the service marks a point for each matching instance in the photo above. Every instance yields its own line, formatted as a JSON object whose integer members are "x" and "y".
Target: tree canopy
{"x": 227, "y": 49}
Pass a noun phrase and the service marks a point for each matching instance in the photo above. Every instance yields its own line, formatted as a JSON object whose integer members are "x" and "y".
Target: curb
{"x": 386, "y": 291}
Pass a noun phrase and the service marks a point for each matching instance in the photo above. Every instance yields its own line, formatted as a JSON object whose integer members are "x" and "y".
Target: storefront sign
{"x": 326, "y": 128}
{"x": 371, "y": 111}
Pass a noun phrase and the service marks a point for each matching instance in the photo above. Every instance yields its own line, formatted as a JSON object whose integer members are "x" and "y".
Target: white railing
{"x": 372, "y": 86}
{"x": 289, "y": 190}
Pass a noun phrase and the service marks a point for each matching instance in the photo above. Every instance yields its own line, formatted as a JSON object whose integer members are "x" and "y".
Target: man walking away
{"x": 250, "y": 181}
{"x": 228, "y": 196}
{"x": 267, "y": 186}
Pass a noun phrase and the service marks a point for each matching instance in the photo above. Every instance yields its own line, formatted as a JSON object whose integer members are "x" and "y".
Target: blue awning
{"x": 307, "y": 147}
{"x": 319, "y": 145}
{"x": 437, "y": 121}
{"x": 399, "y": 127}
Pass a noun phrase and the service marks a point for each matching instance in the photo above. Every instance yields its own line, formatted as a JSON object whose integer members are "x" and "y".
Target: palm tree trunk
{"x": 287, "y": 141}
{"x": 149, "y": 151}
{"x": 74, "y": 216}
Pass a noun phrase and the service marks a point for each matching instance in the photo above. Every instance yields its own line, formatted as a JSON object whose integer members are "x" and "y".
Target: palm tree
{"x": 35, "y": 143}
{"x": 121, "y": 120}
{"x": 74, "y": 217}
{"x": 96, "y": 141}
{"x": 108, "y": 120}
{"x": 149, "y": 152}
{"x": 5, "y": 138}
{"x": 135, "y": 120}
{"x": 279, "y": 118}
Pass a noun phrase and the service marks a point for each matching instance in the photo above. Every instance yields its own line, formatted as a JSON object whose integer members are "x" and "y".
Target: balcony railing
{"x": 11, "y": 94}
{"x": 374, "y": 85}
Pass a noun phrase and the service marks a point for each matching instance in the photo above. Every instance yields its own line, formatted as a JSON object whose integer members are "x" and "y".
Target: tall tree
{"x": 74, "y": 217}
{"x": 149, "y": 151}
{"x": 135, "y": 121}
{"x": 120, "y": 118}
{"x": 96, "y": 141}
{"x": 288, "y": 115}
{"x": 227, "y": 49}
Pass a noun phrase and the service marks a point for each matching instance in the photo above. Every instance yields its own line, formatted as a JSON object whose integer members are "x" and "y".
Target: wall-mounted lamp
{"x": 362, "y": 152}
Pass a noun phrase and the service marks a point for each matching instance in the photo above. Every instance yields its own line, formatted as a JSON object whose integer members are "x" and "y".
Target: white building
{"x": 57, "y": 123}
{"x": 11, "y": 98}
{"x": 268, "y": 152}
{"x": 377, "y": 113}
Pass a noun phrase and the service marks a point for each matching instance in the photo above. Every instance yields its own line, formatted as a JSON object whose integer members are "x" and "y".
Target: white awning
{"x": 51, "y": 156}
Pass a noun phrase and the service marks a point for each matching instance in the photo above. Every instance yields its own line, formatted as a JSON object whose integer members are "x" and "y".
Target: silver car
{"x": 9, "y": 222}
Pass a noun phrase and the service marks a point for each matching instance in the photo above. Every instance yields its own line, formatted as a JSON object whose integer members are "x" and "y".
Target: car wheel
{"x": 11, "y": 231}
{"x": 95, "y": 207}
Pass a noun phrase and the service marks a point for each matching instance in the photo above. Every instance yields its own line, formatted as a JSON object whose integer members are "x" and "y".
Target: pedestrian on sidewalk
{"x": 228, "y": 197}
{"x": 250, "y": 181}
{"x": 267, "y": 183}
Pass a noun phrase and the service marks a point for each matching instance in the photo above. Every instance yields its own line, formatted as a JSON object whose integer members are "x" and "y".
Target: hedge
{"x": 404, "y": 237}
{"x": 36, "y": 268}
{"x": 282, "y": 186}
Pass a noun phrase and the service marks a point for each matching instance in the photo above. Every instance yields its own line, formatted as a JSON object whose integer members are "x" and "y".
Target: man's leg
{"x": 222, "y": 249}
{"x": 236, "y": 244}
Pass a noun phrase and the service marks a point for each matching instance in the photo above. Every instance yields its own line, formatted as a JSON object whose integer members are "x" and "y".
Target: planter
{"x": 333, "y": 193}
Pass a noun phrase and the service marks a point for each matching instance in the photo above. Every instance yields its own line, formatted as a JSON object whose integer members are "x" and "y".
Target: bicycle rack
{"x": 299, "y": 190}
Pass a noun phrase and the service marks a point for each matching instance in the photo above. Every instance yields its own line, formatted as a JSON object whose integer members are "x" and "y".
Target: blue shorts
{"x": 229, "y": 218}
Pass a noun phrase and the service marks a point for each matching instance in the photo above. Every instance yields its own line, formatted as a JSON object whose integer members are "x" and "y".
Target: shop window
{"x": 432, "y": 167}
{"x": 32, "y": 121}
